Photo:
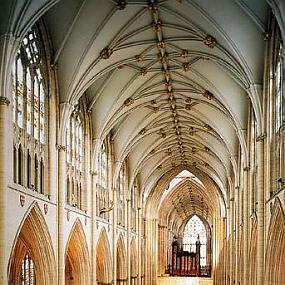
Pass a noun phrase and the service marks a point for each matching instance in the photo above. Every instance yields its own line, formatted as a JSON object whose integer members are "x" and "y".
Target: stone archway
{"x": 275, "y": 254}
{"x": 28, "y": 245}
{"x": 77, "y": 266}
{"x": 121, "y": 262}
{"x": 104, "y": 267}
{"x": 253, "y": 253}
{"x": 134, "y": 263}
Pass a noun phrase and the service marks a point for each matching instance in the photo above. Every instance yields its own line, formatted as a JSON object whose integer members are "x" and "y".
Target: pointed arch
{"x": 20, "y": 165}
{"x": 32, "y": 234}
{"x": 253, "y": 253}
{"x": 104, "y": 267}
{"x": 121, "y": 261}
{"x": 77, "y": 265}
{"x": 275, "y": 254}
{"x": 134, "y": 261}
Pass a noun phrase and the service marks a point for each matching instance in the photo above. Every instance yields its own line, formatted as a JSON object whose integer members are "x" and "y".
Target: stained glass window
{"x": 278, "y": 99}
{"x": 103, "y": 164}
{"x": 28, "y": 271}
{"x": 121, "y": 192}
{"x": 102, "y": 196}
{"x": 28, "y": 88}
{"x": 74, "y": 157}
{"x": 74, "y": 140}
{"x": 194, "y": 230}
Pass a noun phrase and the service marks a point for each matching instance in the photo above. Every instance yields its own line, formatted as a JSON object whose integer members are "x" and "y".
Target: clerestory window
{"x": 30, "y": 108}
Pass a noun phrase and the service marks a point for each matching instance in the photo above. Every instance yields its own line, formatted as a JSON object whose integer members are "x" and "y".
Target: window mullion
{"x": 32, "y": 103}
{"x": 39, "y": 107}
{"x": 24, "y": 124}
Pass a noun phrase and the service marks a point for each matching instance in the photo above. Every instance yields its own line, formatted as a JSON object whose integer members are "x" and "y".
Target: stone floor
{"x": 184, "y": 281}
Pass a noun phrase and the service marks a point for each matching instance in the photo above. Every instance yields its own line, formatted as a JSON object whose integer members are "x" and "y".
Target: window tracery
{"x": 30, "y": 105}
{"x": 28, "y": 271}
{"x": 194, "y": 230}
{"x": 278, "y": 86}
{"x": 75, "y": 157}
{"x": 134, "y": 204}
{"x": 102, "y": 197}
{"x": 121, "y": 194}
{"x": 279, "y": 117}
{"x": 28, "y": 87}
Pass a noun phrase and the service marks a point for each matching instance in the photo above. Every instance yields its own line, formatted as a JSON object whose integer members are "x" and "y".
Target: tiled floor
{"x": 184, "y": 281}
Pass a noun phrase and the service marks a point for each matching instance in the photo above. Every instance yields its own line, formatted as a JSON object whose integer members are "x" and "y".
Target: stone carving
{"x": 106, "y": 53}
{"x": 210, "y": 41}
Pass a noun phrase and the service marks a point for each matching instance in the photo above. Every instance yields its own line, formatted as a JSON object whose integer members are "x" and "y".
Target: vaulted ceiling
{"x": 171, "y": 80}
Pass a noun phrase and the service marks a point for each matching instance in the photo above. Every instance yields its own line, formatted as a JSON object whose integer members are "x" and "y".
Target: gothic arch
{"x": 103, "y": 259}
{"x": 275, "y": 255}
{"x": 77, "y": 267}
{"x": 121, "y": 261}
{"x": 134, "y": 261}
{"x": 32, "y": 234}
{"x": 253, "y": 253}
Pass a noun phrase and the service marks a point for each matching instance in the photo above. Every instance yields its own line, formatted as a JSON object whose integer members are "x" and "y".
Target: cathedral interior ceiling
{"x": 171, "y": 80}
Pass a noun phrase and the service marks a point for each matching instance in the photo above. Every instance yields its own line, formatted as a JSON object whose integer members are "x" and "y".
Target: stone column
{"x": 93, "y": 175}
{"x": 232, "y": 241}
{"x": 228, "y": 247}
{"x": 237, "y": 233}
{"x": 260, "y": 210}
{"x": 6, "y": 130}
{"x": 60, "y": 213}
{"x": 151, "y": 251}
{"x": 51, "y": 179}
{"x": 128, "y": 249}
{"x": 139, "y": 227}
{"x": 245, "y": 226}
{"x": 115, "y": 236}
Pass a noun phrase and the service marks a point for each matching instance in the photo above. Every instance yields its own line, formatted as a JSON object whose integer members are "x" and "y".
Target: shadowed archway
{"x": 29, "y": 254}
{"x": 275, "y": 256}
{"x": 121, "y": 262}
{"x": 77, "y": 266}
{"x": 103, "y": 260}
{"x": 134, "y": 262}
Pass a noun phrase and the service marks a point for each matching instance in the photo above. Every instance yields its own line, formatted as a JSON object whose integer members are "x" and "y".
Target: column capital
{"x": 93, "y": 173}
{"x": 261, "y": 137}
{"x": 4, "y": 101}
{"x": 60, "y": 147}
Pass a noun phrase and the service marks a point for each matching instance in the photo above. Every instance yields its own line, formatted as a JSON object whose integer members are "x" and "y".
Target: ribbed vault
{"x": 170, "y": 80}
{"x": 187, "y": 198}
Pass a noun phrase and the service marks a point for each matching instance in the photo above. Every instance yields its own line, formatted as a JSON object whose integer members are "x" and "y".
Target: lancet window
{"x": 195, "y": 230}
{"x": 134, "y": 204}
{"x": 278, "y": 86}
{"x": 102, "y": 196}
{"x": 28, "y": 271}
{"x": 30, "y": 108}
{"x": 75, "y": 157}
{"x": 121, "y": 194}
